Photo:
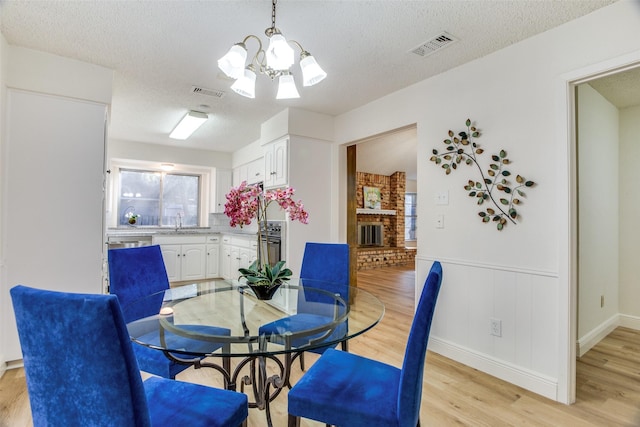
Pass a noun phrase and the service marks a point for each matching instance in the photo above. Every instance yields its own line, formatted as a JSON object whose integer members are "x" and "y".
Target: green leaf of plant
{"x": 447, "y": 141}
{"x": 507, "y": 190}
{"x": 468, "y": 161}
{"x": 488, "y": 181}
{"x": 468, "y": 122}
{"x": 500, "y": 226}
{"x": 445, "y": 166}
{"x": 454, "y": 165}
{"x": 503, "y": 154}
{"x": 512, "y": 213}
{"x": 482, "y": 214}
{"x": 475, "y": 134}
{"x": 486, "y": 219}
{"x": 447, "y": 156}
{"x": 529, "y": 183}
{"x": 450, "y": 148}
{"x": 472, "y": 194}
{"x": 438, "y": 161}
{"x": 495, "y": 158}
{"x": 506, "y": 173}
{"x": 478, "y": 185}
{"x": 494, "y": 166}
{"x": 480, "y": 200}
{"x": 504, "y": 201}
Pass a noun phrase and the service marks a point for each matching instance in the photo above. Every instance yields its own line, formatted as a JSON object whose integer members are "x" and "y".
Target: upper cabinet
{"x": 220, "y": 186}
{"x": 252, "y": 172}
{"x": 276, "y": 163}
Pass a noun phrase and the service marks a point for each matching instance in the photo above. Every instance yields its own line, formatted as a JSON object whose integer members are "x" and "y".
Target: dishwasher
{"x": 116, "y": 242}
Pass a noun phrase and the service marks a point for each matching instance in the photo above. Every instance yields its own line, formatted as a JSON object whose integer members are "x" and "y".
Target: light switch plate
{"x": 442, "y": 197}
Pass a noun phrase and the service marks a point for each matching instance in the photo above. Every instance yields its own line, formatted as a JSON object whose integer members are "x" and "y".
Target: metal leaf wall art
{"x": 494, "y": 187}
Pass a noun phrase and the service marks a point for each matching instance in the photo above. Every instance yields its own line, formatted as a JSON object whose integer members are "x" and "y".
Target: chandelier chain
{"x": 273, "y": 14}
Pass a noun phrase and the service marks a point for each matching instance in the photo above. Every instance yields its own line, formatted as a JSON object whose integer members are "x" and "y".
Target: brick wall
{"x": 392, "y": 191}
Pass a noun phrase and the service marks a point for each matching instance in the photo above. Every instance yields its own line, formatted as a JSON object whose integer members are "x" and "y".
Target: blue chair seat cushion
{"x": 299, "y": 323}
{"x": 355, "y": 391}
{"x": 205, "y": 406}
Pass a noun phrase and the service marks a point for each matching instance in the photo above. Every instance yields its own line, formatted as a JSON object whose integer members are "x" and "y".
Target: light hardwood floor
{"x": 608, "y": 377}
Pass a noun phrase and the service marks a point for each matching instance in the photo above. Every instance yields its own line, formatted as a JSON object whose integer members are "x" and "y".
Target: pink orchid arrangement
{"x": 246, "y": 202}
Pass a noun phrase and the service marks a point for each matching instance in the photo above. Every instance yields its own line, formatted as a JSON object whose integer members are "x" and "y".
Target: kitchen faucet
{"x": 178, "y": 221}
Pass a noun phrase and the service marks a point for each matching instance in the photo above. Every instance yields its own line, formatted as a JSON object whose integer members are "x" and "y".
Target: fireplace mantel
{"x": 375, "y": 211}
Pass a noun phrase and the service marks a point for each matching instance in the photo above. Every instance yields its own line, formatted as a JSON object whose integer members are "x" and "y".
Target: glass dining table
{"x": 322, "y": 319}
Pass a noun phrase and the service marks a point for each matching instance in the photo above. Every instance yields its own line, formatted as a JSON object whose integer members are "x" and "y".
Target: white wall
{"x": 52, "y": 212}
{"x": 133, "y": 150}
{"x": 4, "y": 304}
{"x": 598, "y": 207}
{"x": 517, "y": 275}
{"x": 629, "y": 215}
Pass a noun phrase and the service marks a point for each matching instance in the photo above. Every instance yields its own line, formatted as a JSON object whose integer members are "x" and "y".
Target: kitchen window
{"x": 159, "y": 199}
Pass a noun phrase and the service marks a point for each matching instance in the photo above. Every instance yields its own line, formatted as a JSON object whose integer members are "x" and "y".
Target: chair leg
{"x": 293, "y": 421}
{"x": 345, "y": 346}
{"x": 302, "y": 361}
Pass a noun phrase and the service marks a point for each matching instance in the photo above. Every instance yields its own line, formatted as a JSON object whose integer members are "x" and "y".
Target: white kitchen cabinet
{"x": 252, "y": 172}
{"x": 220, "y": 186}
{"x": 185, "y": 257}
{"x": 276, "y": 166}
{"x": 212, "y": 269}
{"x": 237, "y": 251}
{"x": 255, "y": 171}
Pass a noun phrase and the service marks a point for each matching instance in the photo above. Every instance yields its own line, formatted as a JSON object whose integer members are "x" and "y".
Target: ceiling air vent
{"x": 436, "y": 43}
{"x": 208, "y": 92}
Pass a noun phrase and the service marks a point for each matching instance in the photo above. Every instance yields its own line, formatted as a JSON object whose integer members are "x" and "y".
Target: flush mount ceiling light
{"x": 276, "y": 61}
{"x": 188, "y": 125}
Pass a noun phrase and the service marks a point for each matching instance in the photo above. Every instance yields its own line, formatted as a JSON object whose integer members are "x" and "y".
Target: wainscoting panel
{"x": 523, "y": 302}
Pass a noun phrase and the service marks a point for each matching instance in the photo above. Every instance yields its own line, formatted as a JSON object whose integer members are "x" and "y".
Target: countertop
{"x": 151, "y": 231}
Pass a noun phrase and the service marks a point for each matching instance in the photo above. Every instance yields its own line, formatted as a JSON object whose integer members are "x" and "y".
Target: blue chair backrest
{"x": 326, "y": 264}
{"x": 78, "y": 360}
{"x": 410, "y": 389}
{"x": 136, "y": 273}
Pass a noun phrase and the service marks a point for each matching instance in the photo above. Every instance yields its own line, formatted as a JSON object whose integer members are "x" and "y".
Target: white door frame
{"x": 568, "y": 320}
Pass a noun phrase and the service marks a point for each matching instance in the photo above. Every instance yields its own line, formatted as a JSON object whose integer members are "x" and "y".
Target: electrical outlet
{"x": 442, "y": 197}
{"x": 495, "y": 326}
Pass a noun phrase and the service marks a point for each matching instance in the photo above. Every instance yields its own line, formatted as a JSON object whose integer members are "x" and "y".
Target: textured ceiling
{"x": 160, "y": 49}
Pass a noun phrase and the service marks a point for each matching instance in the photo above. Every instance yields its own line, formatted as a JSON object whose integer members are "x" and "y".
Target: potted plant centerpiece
{"x": 248, "y": 202}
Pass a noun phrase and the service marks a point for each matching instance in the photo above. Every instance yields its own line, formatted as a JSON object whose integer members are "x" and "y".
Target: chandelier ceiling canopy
{"x": 276, "y": 61}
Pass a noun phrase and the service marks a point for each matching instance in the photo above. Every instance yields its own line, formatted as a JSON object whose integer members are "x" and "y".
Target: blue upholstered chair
{"x": 326, "y": 266}
{"x": 344, "y": 389}
{"x": 81, "y": 370}
{"x": 135, "y": 273}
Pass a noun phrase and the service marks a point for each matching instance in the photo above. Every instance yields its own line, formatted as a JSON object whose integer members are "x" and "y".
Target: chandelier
{"x": 276, "y": 61}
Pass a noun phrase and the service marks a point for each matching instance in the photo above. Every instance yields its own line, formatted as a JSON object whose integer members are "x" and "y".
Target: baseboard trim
{"x": 3, "y": 365}
{"x": 588, "y": 341}
{"x": 628, "y": 321}
{"x": 532, "y": 381}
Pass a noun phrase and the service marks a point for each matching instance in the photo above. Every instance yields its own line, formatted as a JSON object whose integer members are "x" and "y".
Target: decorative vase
{"x": 264, "y": 292}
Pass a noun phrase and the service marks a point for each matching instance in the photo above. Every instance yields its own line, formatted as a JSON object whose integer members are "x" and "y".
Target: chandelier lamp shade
{"x": 188, "y": 125}
{"x": 275, "y": 62}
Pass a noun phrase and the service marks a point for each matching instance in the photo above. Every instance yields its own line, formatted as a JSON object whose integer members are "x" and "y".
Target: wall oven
{"x": 271, "y": 243}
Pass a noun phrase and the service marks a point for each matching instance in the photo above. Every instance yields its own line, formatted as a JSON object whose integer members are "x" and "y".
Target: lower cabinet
{"x": 237, "y": 251}
{"x": 189, "y": 257}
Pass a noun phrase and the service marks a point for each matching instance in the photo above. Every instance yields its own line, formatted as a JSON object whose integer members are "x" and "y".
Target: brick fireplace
{"x": 390, "y": 217}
